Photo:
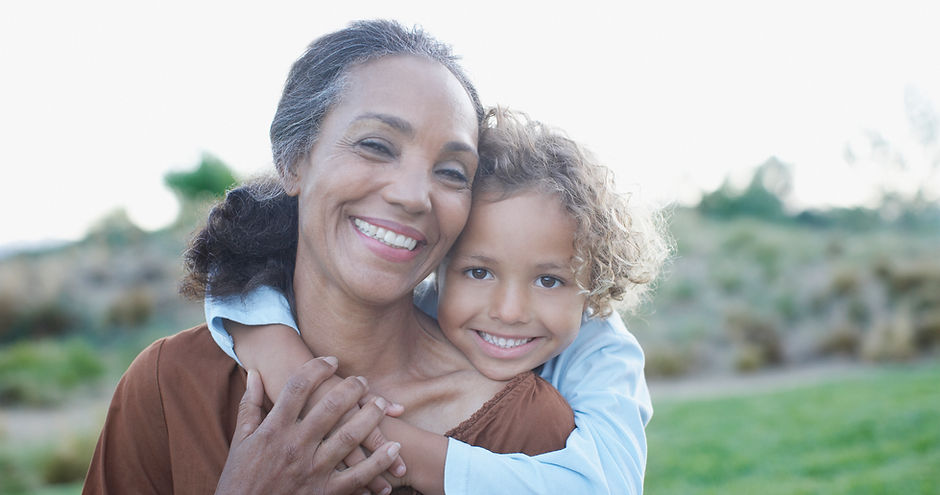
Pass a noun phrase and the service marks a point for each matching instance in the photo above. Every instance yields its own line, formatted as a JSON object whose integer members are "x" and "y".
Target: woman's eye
{"x": 454, "y": 175}
{"x": 478, "y": 273}
{"x": 548, "y": 282}
{"x": 377, "y": 147}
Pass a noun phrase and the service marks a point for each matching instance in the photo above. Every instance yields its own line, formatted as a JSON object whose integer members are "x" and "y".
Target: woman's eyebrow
{"x": 406, "y": 128}
{"x": 458, "y": 147}
{"x": 396, "y": 123}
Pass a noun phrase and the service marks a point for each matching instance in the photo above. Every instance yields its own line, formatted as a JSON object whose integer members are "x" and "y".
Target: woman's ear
{"x": 291, "y": 176}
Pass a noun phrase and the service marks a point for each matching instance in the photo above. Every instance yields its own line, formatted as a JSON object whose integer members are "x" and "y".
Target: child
{"x": 547, "y": 247}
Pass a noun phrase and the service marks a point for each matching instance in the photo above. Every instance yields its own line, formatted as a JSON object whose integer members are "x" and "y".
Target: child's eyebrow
{"x": 478, "y": 258}
{"x": 553, "y": 266}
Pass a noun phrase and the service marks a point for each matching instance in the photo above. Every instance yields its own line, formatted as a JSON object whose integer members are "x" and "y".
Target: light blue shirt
{"x": 600, "y": 375}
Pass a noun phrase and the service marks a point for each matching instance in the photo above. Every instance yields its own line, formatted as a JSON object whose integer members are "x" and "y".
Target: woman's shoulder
{"x": 189, "y": 353}
{"x": 527, "y": 415}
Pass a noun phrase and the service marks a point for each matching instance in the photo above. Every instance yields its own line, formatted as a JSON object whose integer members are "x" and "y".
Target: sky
{"x": 99, "y": 100}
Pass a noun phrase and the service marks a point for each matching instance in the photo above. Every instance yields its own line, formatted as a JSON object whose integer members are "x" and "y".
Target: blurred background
{"x": 792, "y": 345}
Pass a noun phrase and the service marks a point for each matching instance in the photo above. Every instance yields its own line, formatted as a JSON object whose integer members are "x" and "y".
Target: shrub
{"x": 845, "y": 281}
{"x": 927, "y": 329}
{"x": 47, "y": 319}
{"x": 131, "y": 309}
{"x": 68, "y": 462}
{"x": 843, "y": 339}
{"x": 756, "y": 339}
{"x": 890, "y": 341}
{"x": 40, "y": 373}
{"x": 667, "y": 361}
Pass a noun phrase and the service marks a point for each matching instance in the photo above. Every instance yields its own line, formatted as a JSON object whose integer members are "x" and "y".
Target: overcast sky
{"x": 98, "y": 100}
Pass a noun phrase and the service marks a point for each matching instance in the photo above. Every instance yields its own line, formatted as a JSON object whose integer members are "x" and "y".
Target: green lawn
{"x": 878, "y": 434}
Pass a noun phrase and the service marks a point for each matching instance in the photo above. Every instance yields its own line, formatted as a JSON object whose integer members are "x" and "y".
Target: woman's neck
{"x": 367, "y": 338}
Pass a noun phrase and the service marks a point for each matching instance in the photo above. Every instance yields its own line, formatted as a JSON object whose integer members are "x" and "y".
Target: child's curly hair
{"x": 619, "y": 246}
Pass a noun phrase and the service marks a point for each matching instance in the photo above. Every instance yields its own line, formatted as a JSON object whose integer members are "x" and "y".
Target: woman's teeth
{"x": 502, "y": 342}
{"x": 385, "y": 236}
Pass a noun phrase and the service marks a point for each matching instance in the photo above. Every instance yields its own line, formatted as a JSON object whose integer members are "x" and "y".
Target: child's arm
{"x": 601, "y": 376}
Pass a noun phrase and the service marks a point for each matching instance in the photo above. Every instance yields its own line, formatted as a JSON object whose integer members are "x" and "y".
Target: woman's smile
{"x": 388, "y": 240}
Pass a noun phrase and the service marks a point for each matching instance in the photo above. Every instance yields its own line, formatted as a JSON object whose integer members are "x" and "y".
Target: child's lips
{"x": 504, "y": 342}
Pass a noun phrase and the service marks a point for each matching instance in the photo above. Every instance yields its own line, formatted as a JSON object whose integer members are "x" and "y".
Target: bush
{"x": 41, "y": 373}
{"x": 131, "y": 309}
{"x": 890, "y": 341}
{"x": 667, "y": 361}
{"x": 45, "y": 320}
{"x": 756, "y": 339}
{"x": 68, "y": 462}
{"x": 842, "y": 340}
{"x": 14, "y": 478}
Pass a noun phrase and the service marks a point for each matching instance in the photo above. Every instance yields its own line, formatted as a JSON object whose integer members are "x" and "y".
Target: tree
{"x": 197, "y": 188}
{"x": 210, "y": 179}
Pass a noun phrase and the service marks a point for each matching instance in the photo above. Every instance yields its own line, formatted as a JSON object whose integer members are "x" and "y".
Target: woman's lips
{"x": 384, "y": 235}
{"x": 388, "y": 240}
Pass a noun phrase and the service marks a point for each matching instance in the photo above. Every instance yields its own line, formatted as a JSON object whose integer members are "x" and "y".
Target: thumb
{"x": 249, "y": 409}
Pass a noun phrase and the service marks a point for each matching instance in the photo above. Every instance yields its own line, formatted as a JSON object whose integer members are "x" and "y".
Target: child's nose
{"x": 510, "y": 305}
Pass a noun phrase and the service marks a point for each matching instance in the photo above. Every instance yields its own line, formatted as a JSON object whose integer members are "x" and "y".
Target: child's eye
{"x": 479, "y": 273}
{"x": 548, "y": 282}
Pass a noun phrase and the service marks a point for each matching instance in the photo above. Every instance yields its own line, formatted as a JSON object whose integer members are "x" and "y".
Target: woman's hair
{"x": 317, "y": 79}
{"x": 250, "y": 238}
{"x": 619, "y": 246}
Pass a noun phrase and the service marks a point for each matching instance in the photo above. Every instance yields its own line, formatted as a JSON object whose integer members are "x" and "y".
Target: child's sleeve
{"x": 601, "y": 376}
{"x": 261, "y": 306}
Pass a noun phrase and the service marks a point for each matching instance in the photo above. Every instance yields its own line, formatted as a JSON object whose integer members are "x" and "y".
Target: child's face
{"x": 509, "y": 299}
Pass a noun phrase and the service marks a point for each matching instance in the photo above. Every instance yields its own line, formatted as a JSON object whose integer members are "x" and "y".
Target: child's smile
{"x": 509, "y": 299}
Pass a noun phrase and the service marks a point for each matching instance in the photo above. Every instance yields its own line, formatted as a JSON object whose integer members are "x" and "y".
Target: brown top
{"x": 173, "y": 415}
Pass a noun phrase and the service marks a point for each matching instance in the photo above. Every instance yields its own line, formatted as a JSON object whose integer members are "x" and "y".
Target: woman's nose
{"x": 510, "y": 305}
{"x": 409, "y": 187}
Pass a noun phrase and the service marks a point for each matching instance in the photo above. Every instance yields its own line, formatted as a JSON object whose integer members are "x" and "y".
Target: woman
{"x": 380, "y": 130}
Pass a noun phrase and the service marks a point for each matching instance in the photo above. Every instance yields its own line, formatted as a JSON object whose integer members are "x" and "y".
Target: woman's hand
{"x": 277, "y": 350}
{"x": 289, "y": 453}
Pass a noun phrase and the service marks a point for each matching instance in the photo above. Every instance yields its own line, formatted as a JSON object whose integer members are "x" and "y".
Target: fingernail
{"x": 332, "y": 361}
{"x": 400, "y": 471}
{"x": 381, "y": 403}
{"x": 363, "y": 380}
{"x": 386, "y": 490}
{"x": 393, "y": 450}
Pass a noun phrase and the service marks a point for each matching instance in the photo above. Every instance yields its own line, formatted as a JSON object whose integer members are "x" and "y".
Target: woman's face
{"x": 385, "y": 190}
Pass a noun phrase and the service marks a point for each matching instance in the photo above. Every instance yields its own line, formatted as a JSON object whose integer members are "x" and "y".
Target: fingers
{"x": 328, "y": 411}
{"x": 352, "y": 433}
{"x": 394, "y": 409}
{"x": 299, "y": 386}
{"x": 379, "y": 483}
{"x": 358, "y": 475}
{"x": 249, "y": 409}
{"x": 374, "y": 441}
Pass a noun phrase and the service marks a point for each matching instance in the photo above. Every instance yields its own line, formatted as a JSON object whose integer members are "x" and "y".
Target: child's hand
{"x": 375, "y": 440}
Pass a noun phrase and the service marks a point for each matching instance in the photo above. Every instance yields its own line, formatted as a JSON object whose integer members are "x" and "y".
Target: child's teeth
{"x": 503, "y": 342}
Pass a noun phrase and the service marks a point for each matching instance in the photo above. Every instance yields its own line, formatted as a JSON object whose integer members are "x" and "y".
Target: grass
{"x": 870, "y": 435}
